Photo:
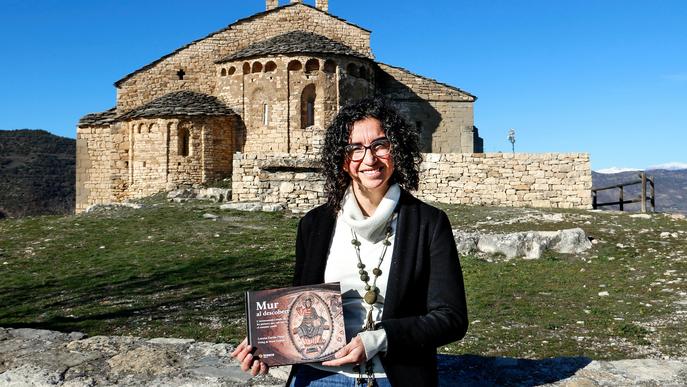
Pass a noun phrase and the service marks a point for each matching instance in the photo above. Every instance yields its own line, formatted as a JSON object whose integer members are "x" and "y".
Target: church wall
{"x": 153, "y": 158}
{"x": 443, "y": 114}
{"x": 444, "y": 126}
{"x": 356, "y": 81}
{"x": 304, "y": 84}
{"x": 197, "y": 60}
{"x": 147, "y": 157}
{"x": 218, "y": 148}
{"x": 280, "y": 82}
{"x": 93, "y": 160}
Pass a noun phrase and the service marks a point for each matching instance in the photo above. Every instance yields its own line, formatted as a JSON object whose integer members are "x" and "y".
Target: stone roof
{"x": 102, "y": 118}
{"x": 468, "y": 96}
{"x": 180, "y": 103}
{"x": 239, "y": 21}
{"x": 294, "y": 42}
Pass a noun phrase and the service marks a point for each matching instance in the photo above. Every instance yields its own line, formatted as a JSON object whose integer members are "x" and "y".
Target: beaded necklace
{"x": 372, "y": 291}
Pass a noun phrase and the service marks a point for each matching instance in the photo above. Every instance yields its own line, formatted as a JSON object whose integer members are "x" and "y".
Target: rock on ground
{"x": 527, "y": 244}
{"x": 46, "y": 358}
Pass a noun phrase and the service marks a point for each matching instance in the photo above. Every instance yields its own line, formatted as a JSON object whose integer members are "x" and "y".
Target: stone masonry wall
{"x": 556, "y": 180}
{"x": 294, "y": 180}
{"x": 141, "y": 157}
{"x": 197, "y": 59}
{"x": 553, "y": 180}
{"x": 93, "y": 163}
{"x": 268, "y": 94}
{"x": 443, "y": 114}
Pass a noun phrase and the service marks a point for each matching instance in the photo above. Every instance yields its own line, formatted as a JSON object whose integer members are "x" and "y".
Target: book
{"x": 302, "y": 324}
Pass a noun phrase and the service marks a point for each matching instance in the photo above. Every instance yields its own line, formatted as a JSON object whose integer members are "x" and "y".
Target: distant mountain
{"x": 671, "y": 189}
{"x": 37, "y": 173}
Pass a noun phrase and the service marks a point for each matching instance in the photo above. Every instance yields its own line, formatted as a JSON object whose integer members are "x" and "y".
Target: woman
{"x": 394, "y": 256}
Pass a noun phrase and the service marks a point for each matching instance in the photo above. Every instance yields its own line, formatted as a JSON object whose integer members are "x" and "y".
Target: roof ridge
{"x": 228, "y": 27}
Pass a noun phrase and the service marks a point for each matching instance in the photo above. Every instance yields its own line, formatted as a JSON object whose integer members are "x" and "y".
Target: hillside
{"x": 671, "y": 189}
{"x": 37, "y": 173}
{"x": 180, "y": 270}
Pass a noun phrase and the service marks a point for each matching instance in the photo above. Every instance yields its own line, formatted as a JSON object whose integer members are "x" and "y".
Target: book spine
{"x": 248, "y": 319}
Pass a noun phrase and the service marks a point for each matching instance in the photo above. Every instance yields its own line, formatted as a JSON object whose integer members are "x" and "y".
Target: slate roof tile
{"x": 180, "y": 103}
{"x": 96, "y": 119}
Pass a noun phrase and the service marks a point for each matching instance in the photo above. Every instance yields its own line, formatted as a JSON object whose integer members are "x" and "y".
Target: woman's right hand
{"x": 249, "y": 363}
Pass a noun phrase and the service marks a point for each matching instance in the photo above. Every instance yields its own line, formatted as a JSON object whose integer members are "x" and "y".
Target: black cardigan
{"x": 424, "y": 305}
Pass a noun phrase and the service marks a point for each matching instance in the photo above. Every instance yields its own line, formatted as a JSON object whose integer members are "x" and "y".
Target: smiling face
{"x": 371, "y": 175}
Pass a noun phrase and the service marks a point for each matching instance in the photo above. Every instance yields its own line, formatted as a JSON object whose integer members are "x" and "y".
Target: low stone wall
{"x": 555, "y": 180}
{"x": 293, "y": 180}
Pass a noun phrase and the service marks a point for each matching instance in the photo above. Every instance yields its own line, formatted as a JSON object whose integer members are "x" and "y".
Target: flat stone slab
{"x": 31, "y": 357}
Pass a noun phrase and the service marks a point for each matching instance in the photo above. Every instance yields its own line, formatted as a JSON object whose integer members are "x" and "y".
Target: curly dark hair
{"x": 405, "y": 148}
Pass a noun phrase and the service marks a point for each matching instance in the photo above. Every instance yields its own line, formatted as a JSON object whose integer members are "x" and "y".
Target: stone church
{"x": 266, "y": 84}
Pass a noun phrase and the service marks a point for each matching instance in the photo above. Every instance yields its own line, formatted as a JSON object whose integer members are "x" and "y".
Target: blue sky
{"x": 605, "y": 77}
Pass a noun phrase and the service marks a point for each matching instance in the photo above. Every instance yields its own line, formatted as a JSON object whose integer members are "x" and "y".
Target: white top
{"x": 342, "y": 262}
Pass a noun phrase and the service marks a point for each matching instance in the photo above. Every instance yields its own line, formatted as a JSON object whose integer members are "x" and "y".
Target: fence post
{"x": 622, "y": 198}
{"x": 643, "y": 198}
{"x": 653, "y": 194}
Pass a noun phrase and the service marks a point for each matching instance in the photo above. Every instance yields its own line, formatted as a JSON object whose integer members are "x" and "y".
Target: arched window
{"x": 270, "y": 66}
{"x": 312, "y": 65}
{"x": 232, "y": 70}
{"x": 363, "y": 73}
{"x": 184, "y": 138}
{"x": 308, "y": 106}
{"x": 329, "y": 66}
{"x": 257, "y": 67}
{"x": 246, "y": 68}
{"x": 352, "y": 70}
{"x": 294, "y": 65}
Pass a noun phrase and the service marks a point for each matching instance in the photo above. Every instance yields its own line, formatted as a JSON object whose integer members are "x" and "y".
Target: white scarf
{"x": 371, "y": 228}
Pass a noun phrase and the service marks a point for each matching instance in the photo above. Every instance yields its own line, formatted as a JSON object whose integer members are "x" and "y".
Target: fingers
{"x": 352, "y": 353}
{"x": 249, "y": 362}
{"x": 240, "y": 347}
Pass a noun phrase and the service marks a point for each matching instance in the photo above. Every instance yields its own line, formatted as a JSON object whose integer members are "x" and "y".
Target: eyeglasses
{"x": 379, "y": 148}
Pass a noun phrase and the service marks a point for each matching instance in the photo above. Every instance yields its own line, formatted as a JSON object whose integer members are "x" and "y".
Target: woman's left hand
{"x": 352, "y": 353}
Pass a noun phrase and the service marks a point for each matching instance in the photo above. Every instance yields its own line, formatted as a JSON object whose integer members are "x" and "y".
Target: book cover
{"x": 302, "y": 324}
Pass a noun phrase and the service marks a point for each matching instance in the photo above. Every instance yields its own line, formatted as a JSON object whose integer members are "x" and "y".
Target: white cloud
{"x": 617, "y": 170}
{"x": 672, "y": 166}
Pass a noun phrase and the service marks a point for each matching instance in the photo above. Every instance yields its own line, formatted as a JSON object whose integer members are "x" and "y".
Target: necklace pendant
{"x": 370, "y": 297}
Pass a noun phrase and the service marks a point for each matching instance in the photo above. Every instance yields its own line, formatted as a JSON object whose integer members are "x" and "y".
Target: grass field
{"x": 166, "y": 270}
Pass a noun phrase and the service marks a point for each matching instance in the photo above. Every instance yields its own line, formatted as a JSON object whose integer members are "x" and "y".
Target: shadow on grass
{"x": 213, "y": 286}
{"x": 473, "y": 370}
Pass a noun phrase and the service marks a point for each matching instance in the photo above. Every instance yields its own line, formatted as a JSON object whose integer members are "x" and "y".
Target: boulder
{"x": 527, "y": 244}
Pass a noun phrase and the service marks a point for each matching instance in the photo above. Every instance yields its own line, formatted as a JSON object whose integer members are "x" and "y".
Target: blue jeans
{"x": 307, "y": 376}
